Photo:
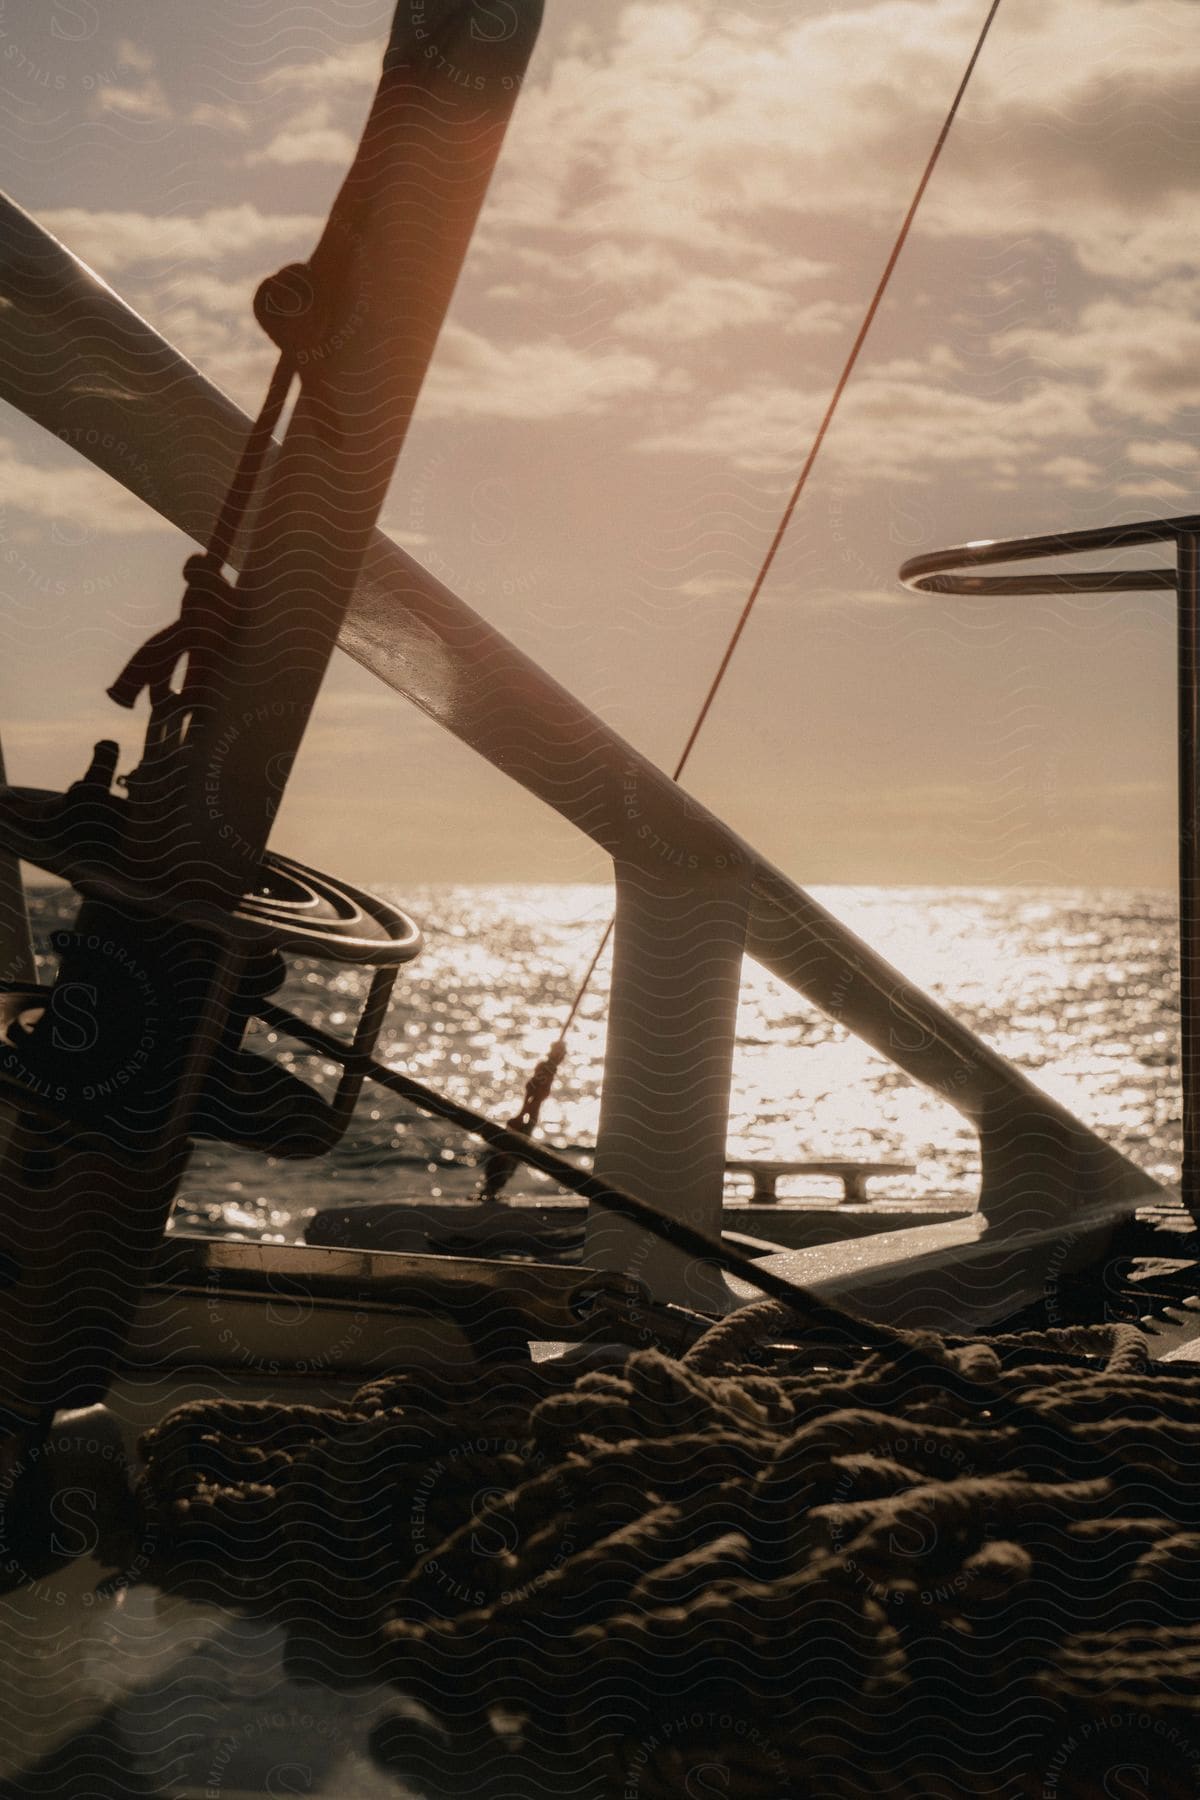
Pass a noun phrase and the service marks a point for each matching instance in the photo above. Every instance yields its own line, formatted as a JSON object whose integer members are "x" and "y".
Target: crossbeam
{"x": 65, "y": 329}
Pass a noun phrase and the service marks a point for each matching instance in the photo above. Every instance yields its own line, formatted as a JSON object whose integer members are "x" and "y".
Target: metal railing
{"x": 953, "y": 571}
{"x": 692, "y": 896}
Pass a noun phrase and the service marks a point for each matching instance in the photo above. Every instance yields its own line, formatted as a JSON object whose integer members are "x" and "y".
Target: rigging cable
{"x": 499, "y": 1167}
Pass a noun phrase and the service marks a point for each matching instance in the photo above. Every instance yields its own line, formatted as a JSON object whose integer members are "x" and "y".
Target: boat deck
{"x": 551, "y": 1226}
{"x": 111, "y": 1687}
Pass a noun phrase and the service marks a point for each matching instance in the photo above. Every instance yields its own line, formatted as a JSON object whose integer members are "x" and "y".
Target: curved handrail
{"x": 945, "y": 571}
{"x": 951, "y": 572}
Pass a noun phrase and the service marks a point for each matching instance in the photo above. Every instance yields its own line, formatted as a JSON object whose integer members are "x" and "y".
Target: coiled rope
{"x": 942, "y": 1567}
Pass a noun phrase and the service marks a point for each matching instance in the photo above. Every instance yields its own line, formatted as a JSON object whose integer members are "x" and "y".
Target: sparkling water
{"x": 1078, "y": 987}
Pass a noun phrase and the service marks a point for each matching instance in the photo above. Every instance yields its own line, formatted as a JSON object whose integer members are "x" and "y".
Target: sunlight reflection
{"x": 1077, "y": 987}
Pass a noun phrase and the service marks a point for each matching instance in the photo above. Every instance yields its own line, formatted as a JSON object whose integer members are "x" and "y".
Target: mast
{"x": 150, "y": 993}
{"x": 1188, "y": 737}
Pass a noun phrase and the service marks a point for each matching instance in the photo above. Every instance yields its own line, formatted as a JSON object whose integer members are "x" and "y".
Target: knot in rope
{"x": 500, "y": 1167}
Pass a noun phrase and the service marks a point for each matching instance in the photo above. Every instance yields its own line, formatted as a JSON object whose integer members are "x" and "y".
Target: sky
{"x": 692, "y": 208}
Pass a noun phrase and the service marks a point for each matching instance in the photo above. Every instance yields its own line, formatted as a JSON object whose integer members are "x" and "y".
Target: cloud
{"x": 1152, "y": 487}
{"x": 1140, "y": 358}
{"x": 309, "y": 137}
{"x": 690, "y": 127}
{"x": 676, "y": 172}
{"x": 1072, "y": 471}
{"x": 1089, "y": 136}
{"x": 712, "y": 587}
{"x": 223, "y": 116}
{"x": 821, "y": 318}
{"x": 211, "y": 293}
{"x": 474, "y": 378}
{"x": 179, "y": 271}
{"x": 135, "y": 57}
{"x": 137, "y": 92}
{"x": 685, "y": 126}
{"x": 147, "y": 101}
{"x": 75, "y": 499}
{"x": 700, "y": 305}
{"x": 327, "y": 87}
{"x": 1170, "y": 453}
{"x": 351, "y": 66}
{"x": 901, "y": 422}
{"x": 117, "y": 240}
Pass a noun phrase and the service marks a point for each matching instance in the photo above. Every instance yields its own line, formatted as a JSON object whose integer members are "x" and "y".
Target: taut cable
{"x": 498, "y": 1169}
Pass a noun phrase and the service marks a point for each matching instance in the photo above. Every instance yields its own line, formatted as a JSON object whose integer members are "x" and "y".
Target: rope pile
{"x": 939, "y": 1567}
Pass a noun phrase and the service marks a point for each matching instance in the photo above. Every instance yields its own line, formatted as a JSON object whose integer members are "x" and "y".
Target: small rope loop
{"x": 208, "y": 605}
{"x": 199, "y": 632}
{"x": 1129, "y": 1352}
{"x": 250, "y": 466}
{"x": 727, "y": 1342}
{"x": 151, "y": 666}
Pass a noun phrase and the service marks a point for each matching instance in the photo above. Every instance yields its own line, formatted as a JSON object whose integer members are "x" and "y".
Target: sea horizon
{"x": 1077, "y": 986}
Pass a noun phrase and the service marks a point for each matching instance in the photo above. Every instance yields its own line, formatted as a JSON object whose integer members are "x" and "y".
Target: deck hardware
{"x": 493, "y": 1303}
{"x": 69, "y": 337}
{"x": 181, "y": 909}
{"x": 853, "y": 1175}
{"x": 246, "y": 1098}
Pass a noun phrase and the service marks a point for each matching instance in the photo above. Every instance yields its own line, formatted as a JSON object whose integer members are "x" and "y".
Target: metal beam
{"x": 16, "y": 940}
{"x": 71, "y": 344}
{"x": 677, "y": 968}
{"x": 1188, "y": 724}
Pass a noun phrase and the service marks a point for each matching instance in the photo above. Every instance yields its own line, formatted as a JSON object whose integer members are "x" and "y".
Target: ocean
{"x": 1076, "y": 986}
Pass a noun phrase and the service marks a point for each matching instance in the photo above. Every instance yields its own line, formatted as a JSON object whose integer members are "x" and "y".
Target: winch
{"x": 186, "y": 919}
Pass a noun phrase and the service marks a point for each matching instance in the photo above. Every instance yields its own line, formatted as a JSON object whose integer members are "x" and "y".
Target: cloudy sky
{"x": 694, "y": 202}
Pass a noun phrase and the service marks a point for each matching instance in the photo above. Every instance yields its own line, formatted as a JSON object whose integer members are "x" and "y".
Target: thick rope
{"x": 250, "y": 464}
{"x": 803, "y": 1580}
{"x": 202, "y": 616}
